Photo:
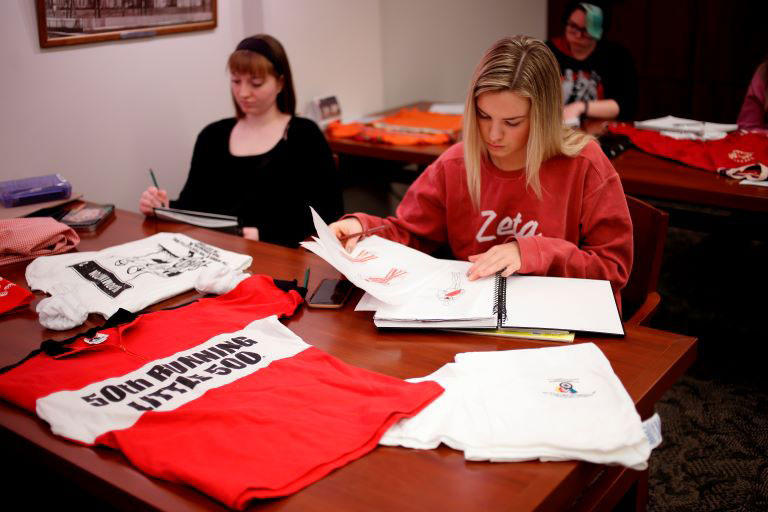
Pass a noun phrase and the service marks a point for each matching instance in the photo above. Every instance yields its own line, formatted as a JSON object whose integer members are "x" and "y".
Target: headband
{"x": 594, "y": 20}
{"x": 256, "y": 45}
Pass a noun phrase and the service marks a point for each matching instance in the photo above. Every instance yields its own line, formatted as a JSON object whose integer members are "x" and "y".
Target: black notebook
{"x": 226, "y": 223}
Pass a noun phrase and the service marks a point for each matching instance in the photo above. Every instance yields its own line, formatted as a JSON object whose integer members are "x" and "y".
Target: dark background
{"x": 694, "y": 58}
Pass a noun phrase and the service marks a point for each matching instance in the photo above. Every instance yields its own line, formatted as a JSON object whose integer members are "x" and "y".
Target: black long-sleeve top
{"x": 607, "y": 73}
{"x": 271, "y": 191}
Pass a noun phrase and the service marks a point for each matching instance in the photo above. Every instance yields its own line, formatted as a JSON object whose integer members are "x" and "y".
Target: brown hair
{"x": 258, "y": 56}
{"x": 525, "y": 66}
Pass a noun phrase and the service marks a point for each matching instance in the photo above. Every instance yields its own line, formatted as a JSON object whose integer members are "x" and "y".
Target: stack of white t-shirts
{"x": 131, "y": 276}
{"x": 550, "y": 404}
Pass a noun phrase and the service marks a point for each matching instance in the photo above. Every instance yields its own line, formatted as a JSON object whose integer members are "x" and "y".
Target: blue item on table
{"x": 34, "y": 190}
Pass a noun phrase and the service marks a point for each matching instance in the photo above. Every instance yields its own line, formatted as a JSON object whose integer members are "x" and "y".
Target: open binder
{"x": 515, "y": 302}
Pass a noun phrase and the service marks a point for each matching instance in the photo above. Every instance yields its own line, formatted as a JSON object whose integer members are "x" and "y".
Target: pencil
{"x": 361, "y": 233}
{"x": 306, "y": 278}
{"x": 154, "y": 180}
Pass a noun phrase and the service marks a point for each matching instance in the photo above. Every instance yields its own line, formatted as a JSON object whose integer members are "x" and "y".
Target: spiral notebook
{"x": 515, "y": 302}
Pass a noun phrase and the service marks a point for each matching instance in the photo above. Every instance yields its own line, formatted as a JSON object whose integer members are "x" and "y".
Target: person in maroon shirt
{"x": 520, "y": 194}
{"x": 754, "y": 110}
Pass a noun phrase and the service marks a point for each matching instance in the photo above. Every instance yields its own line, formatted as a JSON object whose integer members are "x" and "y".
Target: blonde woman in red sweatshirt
{"x": 521, "y": 193}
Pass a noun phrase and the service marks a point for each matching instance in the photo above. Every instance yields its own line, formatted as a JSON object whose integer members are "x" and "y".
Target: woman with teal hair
{"x": 598, "y": 76}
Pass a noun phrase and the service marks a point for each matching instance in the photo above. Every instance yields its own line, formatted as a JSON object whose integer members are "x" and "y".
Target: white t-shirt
{"x": 549, "y": 404}
{"x": 131, "y": 276}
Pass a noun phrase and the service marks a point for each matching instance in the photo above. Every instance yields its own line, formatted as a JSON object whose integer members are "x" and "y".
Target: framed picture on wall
{"x": 68, "y": 22}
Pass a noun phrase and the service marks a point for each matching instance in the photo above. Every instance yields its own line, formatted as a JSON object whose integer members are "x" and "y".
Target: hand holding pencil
{"x": 349, "y": 231}
{"x": 153, "y": 197}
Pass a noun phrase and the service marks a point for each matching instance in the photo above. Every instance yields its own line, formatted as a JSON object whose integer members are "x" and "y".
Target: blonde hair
{"x": 525, "y": 66}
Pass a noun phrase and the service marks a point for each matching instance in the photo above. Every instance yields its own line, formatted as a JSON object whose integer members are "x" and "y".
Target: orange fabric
{"x": 411, "y": 119}
{"x": 364, "y": 133}
{"x": 344, "y": 131}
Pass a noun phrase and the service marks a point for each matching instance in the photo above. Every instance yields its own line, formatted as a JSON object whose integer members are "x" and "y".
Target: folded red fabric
{"x": 25, "y": 239}
{"x": 12, "y": 296}
{"x": 734, "y": 152}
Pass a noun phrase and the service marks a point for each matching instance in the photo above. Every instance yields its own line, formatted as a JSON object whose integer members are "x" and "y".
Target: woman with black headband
{"x": 266, "y": 166}
{"x": 598, "y": 76}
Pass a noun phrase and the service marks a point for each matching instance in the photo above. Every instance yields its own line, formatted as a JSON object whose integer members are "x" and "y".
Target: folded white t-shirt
{"x": 557, "y": 403}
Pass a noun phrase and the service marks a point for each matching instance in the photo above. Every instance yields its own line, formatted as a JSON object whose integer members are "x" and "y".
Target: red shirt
{"x": 206, "y": 396}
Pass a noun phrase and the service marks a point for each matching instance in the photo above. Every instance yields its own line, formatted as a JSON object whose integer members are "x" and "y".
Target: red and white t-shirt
{"x": 216, "y": 396}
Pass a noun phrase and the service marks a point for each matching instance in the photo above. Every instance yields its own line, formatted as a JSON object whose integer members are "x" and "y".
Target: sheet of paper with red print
{"x": 449, "y": 295}
{"x": 389, "y": 271}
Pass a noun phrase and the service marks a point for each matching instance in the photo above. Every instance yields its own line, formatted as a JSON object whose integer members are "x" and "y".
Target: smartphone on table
{"x": 331, "y": 293}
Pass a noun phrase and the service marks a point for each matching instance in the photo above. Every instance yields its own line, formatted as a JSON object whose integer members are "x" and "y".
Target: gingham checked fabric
{"x": 26, "y": 239}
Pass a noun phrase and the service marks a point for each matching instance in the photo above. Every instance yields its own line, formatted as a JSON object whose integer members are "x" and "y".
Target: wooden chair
{"x": 639, "y": 298}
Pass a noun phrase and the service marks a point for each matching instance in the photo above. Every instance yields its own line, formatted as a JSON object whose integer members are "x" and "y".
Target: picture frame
{"x": 324, "y": 110}
{"x": 72, "y": 22}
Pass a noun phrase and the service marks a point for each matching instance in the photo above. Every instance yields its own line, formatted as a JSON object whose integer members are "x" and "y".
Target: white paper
{"x": 389, "y": 271}
{"x": 562, "y": 303}
{"x": 369, "y": 303}
{"x": 449, "y": 295}
{"x": 447, "y": 108}
{"x": 682, "y": 125}
{"x": 754, "y": 182}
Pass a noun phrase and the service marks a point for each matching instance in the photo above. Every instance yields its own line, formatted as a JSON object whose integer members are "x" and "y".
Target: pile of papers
{"x": 409, "y": 289}
{"x": 389, "y": 271}
{"x": 681, "y": 128}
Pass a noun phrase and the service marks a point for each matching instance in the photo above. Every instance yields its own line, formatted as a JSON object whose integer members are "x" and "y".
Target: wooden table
{"x": 659, "y": 178}
{"x": 641, "y": 174}
{"x": 647, "y": 361}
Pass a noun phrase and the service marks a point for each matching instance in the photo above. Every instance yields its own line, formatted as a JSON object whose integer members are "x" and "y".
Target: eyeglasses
{"x": 582, "y": 31}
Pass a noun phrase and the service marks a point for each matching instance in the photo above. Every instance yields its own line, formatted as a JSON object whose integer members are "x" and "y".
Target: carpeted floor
{"x": 715, "y": 420}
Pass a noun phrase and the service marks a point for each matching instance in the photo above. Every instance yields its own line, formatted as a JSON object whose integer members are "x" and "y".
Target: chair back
{"x": 649, "y": 229}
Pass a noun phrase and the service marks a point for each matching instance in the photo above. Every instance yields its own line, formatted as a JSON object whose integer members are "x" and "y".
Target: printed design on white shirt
{"x": 168, "y": 383}
{"x": 452, "y": 292}
{"x": 580, "y": 86}
{"x": 506, "y": 227}
{"x": 568, "y": 388}
{"x": 112, "y": 277}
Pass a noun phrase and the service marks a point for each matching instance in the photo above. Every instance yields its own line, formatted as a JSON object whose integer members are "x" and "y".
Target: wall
{"x": 431, "y": 47}
{"x": 334, "y": 47}
{"x": 102, "y": 114}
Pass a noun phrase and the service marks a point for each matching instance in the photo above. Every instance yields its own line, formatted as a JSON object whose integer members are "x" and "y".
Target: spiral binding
{"x": 500, "y": 300}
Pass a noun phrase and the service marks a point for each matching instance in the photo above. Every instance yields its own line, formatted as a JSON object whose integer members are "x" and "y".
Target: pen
{"x": 154, "y": 180}
{"x": 306, "y": 278}
{"x": 361, "y": 233}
